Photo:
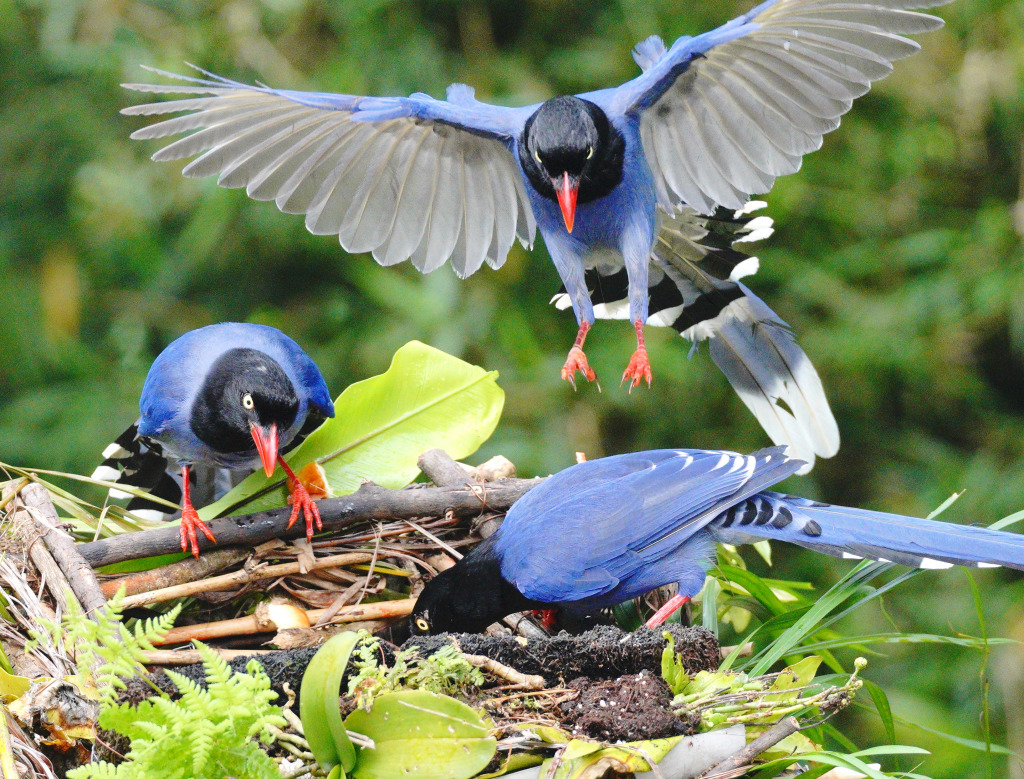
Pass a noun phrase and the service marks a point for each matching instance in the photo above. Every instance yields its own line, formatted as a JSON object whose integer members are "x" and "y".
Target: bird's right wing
{"x": 404, "y": 178}
{"x": 724, "y": 113}
{"x": 607, "y": 513}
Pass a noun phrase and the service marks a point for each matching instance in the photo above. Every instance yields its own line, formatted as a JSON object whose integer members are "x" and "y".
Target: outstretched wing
{"x": 618, "y": 513}
{"x": 723, "y": 114}
{"x": 404, "y": 178}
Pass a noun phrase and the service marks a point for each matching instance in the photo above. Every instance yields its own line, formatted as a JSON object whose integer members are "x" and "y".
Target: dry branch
{"x": 228, "y": 580}
{"x": 192, "y": 656}
{"x": 441, "y": 469}
{"x": 507, "y": 672}
{"x": 736, "y": 765}
{"x": 188, "y": 570}
{"x": 245, "y": 626}
{"x": 370, "y": 502}
{"x": 57, "y": 557}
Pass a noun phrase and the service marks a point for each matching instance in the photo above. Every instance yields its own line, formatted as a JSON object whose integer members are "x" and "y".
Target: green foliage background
{"x": 898, "y": 260}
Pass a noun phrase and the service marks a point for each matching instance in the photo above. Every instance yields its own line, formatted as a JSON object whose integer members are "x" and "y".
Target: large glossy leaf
{"x": 421, "y": 734}
{"x": 318, "y": 704}
{"x": 427, "y": 399}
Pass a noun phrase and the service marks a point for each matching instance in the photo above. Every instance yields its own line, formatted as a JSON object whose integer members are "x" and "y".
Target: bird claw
{"x": 190, "y": 521}
{"x": 639, "y": 368}
{"x": 577, "y": 361}
{"x": 301, "y": 501}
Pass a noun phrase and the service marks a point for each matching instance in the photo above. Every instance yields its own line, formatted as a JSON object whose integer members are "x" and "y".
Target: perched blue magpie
{"x": 229, "y": 395}
{"x": 609, "y": 530}
{"x": 711, "y": 120}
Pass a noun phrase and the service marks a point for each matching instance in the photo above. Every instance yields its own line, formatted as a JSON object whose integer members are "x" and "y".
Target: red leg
{"x": 675, "y": 603}
{"x": 639, "y": 366}
{"x": 190, "y": 519}
{"x": 301, "y": 502}
{"x": 577, "y": 360}
{"x": 548, "y": 617}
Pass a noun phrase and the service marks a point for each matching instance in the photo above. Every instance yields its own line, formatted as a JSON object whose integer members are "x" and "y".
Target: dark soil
{"x": 634, "y": 707}
{"x": 604, "y": 652}
{"x": 618, "y": 675}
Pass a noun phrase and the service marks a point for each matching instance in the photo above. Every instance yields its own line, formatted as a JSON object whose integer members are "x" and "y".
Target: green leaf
{"x": 753, "y": 584}
{"x": 672, "y": 670}
{"x": 589, "y": 757}
{"x": 13, "y": 687}
{"x": 421, "y": 734}
{"x": 797, "y": 675}
{"x": 881, "y": 701}
{"x": 318, "y": 703}
{"x": 427, "y": 399}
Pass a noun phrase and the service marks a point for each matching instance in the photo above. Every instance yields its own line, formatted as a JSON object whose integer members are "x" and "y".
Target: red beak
{"x": 567, "y": 199}
{"x": 266, "y": 445}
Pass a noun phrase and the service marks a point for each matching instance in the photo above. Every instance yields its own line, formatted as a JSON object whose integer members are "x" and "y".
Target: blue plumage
{"x": 610, "y": 530}
{"x": 177, "y": 375}
{"x": 229, "y": 395}
{"x": 606, "y": 176}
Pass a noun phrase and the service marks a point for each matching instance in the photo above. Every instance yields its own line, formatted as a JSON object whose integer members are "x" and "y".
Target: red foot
{"x": 190, "y": 520}
{"x": 577, "y": 361}
{"x": 548, "y": 617}
{"x": 675, "y": 603}
{"x": 639, "y": 368}
{"x": 301, "y": 501}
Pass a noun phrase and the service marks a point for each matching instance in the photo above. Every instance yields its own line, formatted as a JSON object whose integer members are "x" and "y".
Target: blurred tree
{"x": 898, "y": 261}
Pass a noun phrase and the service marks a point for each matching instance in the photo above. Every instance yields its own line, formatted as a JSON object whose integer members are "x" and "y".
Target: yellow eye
{"x": 536, "y": 156}
{"x": 590, "y": 152}
{"x": 247, "y": 401}
{"x": 422, "y": 624}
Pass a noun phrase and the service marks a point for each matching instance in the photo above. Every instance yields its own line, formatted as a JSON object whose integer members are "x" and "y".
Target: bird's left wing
{"x": 584, "y": 529}
{"x": 404, "y": 178}
{"x": 724, "y": 113}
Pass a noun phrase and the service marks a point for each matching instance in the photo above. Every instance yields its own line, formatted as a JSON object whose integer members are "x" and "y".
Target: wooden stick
{"x": 56, "y": 582}
{"x": 37, "y": 504}
{"x": 244, "y": 626}
{"x": 228, "y": 580}
{"x": 188, "y": 570}
{"x": 441, "y": 469}
{"x": 525, "y": 681}
{"x": 764, "y": 742}
{"x": 369, "y": 503}
{"x": 191, "y": 656}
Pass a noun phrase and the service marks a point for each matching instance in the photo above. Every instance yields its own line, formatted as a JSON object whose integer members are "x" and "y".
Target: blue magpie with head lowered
{"x": 609, "y": 530}
{"x": 229, "y": 395}
{"x": 710, "y": 121}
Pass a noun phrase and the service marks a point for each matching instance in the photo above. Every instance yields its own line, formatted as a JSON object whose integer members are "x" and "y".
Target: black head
{"x": 571, "y": 153}
{"x": 467, "y": 597}
{"x": 245, "y": 400}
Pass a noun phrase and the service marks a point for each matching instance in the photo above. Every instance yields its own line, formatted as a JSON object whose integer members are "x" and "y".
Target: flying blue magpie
{"x": 647, "y": 519}
{"x": 230, "y": 395}
{"x": 710, "y": 121}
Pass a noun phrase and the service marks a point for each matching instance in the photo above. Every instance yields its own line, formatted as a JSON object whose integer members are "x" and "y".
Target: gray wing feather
{"x": 747, "y": 110}
{"x": 401, "y": 188}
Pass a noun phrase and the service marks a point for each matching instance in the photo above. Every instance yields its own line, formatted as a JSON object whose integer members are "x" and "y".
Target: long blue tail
{"x": 874, "y": 535}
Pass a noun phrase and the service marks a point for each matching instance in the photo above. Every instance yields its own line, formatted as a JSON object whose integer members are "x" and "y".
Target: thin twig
{"x": 192, "y": 656}
{"x": 229, "y": 580}
{"x": 730, "y": 766}
{"x": 244, "y": 626}
{"x": 188, "y": 570}
{"x": 519, "y": 679}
